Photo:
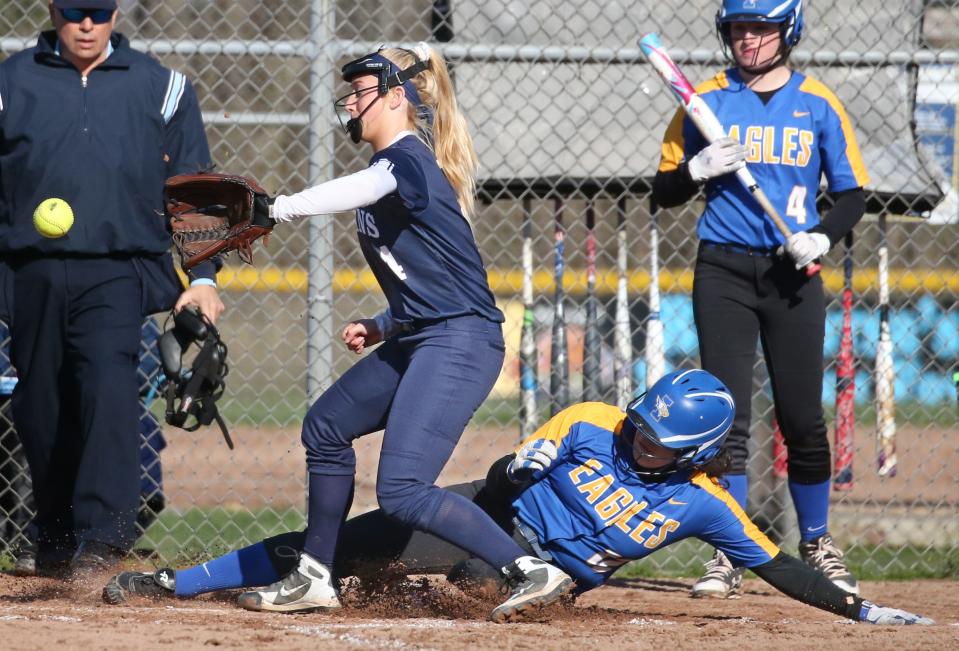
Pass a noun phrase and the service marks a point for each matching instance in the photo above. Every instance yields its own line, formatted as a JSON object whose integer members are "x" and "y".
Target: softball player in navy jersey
{"x": 443, "y": 344}
{"x": 591, "y": 490}
{"x": 748, "y": 282}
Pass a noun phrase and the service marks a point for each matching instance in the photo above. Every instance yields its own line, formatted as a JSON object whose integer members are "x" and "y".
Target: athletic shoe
{"x": 308, "y": 587}
{"x": 721, "y": 580}
{"x": 532, "y": 582}
{"x": 157, "y": 585}
{"x": 823, "y": 554}
{"x": 26, "y": 563}
{"x": 93, "y": 557}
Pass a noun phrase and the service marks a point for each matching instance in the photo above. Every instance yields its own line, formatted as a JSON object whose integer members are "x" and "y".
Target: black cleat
{"x": 159, "y": 585}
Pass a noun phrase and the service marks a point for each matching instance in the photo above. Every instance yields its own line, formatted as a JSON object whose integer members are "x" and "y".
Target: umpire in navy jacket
{"x": 86, "y": 119}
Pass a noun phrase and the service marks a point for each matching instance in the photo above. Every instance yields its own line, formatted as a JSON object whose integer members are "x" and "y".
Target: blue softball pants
{"x": 422, "y": 388}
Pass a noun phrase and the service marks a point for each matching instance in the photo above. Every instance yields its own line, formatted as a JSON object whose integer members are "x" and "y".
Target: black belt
{"x": 530, "y": 536}
{"x": 741, "y": 249}
{"x": 418, "y": 324}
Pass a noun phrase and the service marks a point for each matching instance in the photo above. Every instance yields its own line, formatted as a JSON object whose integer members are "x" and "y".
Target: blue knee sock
{"x": 812, "y": 508}
{"x": 330, "y": 497}
{"x": 462, "y": 523}
{"x": 738, "y": 487}
{"x": 243, "y": 568}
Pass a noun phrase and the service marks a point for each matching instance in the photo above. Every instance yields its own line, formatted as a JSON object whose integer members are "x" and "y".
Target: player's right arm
{"x": 802, "y": 582}
{"x": 729, "y": 529}
{"x": 342, "y": 194}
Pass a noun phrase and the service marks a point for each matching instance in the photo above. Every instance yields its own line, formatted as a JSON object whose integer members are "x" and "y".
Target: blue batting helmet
{"x": 687, "y": 411}
{"x": 788, "y": 13}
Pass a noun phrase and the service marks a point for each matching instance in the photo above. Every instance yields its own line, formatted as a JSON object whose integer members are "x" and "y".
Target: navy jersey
{"x": 418, "y": 244}
{"x": 801, "y": 134}
{"x": 594, "y": 514}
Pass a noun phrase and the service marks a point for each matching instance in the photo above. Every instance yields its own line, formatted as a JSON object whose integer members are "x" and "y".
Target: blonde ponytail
{"x": 451, "y": 140}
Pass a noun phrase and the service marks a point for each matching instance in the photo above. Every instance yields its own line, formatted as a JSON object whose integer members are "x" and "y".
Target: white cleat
{"x": 309, "y": 587}
{"x": 532, "y": 583}
{"x": 721, "y": 580}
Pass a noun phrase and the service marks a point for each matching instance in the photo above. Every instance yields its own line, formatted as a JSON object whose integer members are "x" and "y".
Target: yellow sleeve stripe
{"x": 674, "y": 144}
{"x": 853, "y": 155}
{"x": 716, "y": 83}
{"x": 595, "y": 413}
{"x": 710, "y": 486}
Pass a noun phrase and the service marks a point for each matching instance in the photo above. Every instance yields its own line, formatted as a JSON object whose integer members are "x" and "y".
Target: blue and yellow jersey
{"x": 801, "y": 134}
{"x": 594, "y": 514}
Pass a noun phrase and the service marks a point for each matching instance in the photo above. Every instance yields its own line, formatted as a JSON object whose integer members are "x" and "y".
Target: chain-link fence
{"x": 567, "y": 118}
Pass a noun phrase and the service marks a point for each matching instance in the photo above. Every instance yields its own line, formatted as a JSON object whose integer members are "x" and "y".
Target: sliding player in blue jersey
{"x": 749, "y": 285}
{"x": 591, "y": 490}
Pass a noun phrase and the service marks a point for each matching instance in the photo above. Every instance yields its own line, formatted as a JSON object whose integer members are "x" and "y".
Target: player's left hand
{"x": 532, "y": 460}
{"x": 205, "y": 297}
{"x": 805, "y": 247}
{"x": 873, "y": 614}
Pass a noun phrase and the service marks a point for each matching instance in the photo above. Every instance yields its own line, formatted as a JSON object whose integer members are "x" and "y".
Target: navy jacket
{"x": 105, "y": 144}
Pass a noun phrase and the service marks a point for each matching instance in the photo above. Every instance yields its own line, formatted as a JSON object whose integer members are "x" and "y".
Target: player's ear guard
{"x": 193, "y": 392}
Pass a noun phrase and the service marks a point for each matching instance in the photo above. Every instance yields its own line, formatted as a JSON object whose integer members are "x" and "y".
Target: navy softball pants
{"x": 75, "y": 335}
{"x": 422, "y": 388}
{"x": 738, "y": 298}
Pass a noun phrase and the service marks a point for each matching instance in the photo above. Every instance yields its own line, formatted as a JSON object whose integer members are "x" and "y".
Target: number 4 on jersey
{"x": 796, "y": 205}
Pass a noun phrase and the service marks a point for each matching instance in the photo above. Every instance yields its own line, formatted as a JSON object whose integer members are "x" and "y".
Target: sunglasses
{"x": 98, "y": 16}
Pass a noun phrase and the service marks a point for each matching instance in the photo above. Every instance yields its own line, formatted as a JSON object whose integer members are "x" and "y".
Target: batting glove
{"x": 721, "y": 157}
{"x": 532, "y": 461}
{"x": 805, "y": 247}
{"x": 873, "y": 614}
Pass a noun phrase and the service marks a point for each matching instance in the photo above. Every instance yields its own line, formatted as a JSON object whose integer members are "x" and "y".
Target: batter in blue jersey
{"x": 591, "y": 490}
{"x": 750, "y": 283}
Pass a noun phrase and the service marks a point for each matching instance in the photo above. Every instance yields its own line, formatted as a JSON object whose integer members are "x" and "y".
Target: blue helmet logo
{"x": 687, "y": 411}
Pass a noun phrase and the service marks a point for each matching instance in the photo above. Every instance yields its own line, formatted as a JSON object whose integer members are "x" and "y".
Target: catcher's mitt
{"x": 213, "y": 214}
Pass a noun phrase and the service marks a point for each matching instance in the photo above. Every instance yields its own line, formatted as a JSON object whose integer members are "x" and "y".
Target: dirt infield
{"x": 628, "y": 614}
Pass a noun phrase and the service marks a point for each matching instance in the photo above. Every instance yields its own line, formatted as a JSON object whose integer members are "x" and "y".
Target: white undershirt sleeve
{"x": 339, "y": 195}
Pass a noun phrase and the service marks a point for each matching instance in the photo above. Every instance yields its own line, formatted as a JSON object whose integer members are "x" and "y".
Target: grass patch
{"x": 910, "y": 412}
{"x": 197, "y": 535}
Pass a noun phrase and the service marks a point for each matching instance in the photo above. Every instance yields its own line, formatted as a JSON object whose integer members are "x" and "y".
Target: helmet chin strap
{"x": 354, "y": 126}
